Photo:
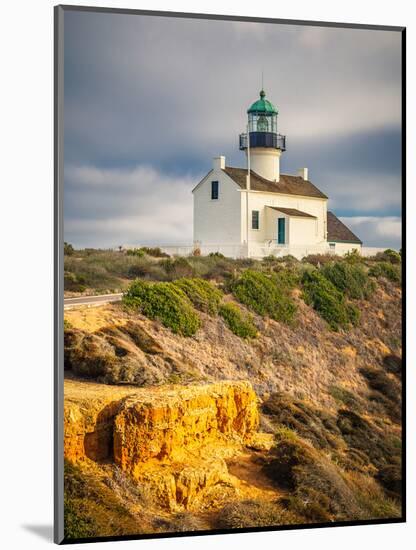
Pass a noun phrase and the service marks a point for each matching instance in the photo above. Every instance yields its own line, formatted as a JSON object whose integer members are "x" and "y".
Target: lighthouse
{"x": 255, "y": 211}
{"x": 262, "y": 143}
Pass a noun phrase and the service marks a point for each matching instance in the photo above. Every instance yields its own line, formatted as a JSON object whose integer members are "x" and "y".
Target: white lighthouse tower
{"x": 262, "y": 142}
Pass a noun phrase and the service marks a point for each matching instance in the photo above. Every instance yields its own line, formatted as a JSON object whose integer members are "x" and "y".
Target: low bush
{"x": 353, "y": 257}
{"x": 252, "y": 513}
{"x": 74, "y": 282}
{"x": 203, "y": 294}
{"x": 346, "y": 397}
{"x": 213, "y": 267}
{"x": 165, "y": 302}
{"x": 184, "y": 522}
{"x": 285, "y": 433}
{"x": 387, "y": 390}
{"x": 114, "y": 355}
{"x": 390, "y": 477}
{"x": 387, "y": 270}
{"x": 318, "y": 259}
{"x": 295, "y": 417}
{"x": 393, "y": 364}
{"x": 155, "y": 252}
{"x": 318, "y": 489}
{"x": 363, "y": 435}
{"x": 144, "y": 268}
{"x": 240, "y": 323}
{"x": 91, "y": 509}
{"x": 328, "y": 301}
{"x": 68, "y": 249}
{"x": 264, "y": 294}
{"x": 389, "y": 255}
{"x": 380, "y": 381}
{"x": 77, "y": 525}
{"x": 177, "y": 267}
{"x": 349, "y": 278}
{"x": 139, "y": 252}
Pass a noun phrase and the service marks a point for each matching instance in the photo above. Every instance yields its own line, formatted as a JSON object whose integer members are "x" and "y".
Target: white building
{"x": 257, "y": 211}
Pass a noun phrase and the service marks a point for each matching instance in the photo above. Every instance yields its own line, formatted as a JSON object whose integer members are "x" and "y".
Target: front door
{"x": 281, "y": 231}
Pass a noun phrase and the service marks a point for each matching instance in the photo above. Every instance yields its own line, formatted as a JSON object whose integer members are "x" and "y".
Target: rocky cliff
{"x": 165, "y": 433}
{"x": 172, "y": 439}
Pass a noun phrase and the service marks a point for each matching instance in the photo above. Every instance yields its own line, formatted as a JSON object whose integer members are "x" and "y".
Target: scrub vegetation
{"x": 318, "y": 339}
{"x": 239, "y": 322}
{"x": 267, "y": 295}
{"x": 166, "y": 303}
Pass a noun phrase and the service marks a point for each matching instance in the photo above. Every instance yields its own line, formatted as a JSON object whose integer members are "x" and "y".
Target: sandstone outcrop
{"x": 174, "y": 440}
{"x": 172, "y": 423}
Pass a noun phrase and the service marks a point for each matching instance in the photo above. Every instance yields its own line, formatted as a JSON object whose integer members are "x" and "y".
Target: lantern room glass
{"x": 262, "y": 122}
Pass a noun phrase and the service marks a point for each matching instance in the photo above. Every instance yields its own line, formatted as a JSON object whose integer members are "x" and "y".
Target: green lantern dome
{"x": 263, "y": 106}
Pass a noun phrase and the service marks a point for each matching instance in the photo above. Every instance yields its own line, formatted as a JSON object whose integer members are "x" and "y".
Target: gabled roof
{"x": 292, "y": 212}
{"x": 339, "y": 232}
{"x": 287, "y": 185}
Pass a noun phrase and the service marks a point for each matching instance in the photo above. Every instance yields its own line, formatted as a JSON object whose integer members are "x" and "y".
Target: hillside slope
{"x": 299, "y": 424}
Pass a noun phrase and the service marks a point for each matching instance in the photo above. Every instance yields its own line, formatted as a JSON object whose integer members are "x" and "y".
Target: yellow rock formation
{"x": 175, "y": 440}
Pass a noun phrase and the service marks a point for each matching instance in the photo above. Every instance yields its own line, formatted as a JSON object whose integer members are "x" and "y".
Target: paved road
{"x": 91, "y": 300}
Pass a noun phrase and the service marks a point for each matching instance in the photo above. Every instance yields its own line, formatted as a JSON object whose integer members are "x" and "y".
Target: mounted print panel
{"x": 228, "y": 274}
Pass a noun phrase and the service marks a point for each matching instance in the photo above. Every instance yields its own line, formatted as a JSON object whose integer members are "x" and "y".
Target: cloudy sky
{"x": 150, "y": 100}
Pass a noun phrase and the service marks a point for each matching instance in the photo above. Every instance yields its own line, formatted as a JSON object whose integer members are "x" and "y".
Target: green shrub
{"x": 204, "y": 295}
{"x": 237, "y": 321}
{"x": 266, "y": 295}
{"x": 353, "y": 257}
{"x": 74, "y": 282}
{"x": 166, "y": 303}
{"x": 389, "y": 271}
{"x": 76, "y": 525}
{"x": 146, "y": 268}
{"x": 68, "y": 249}
{"x": 389, "y": 255}
{"x": 155, "y": 252}
{"x": 283, "y": 432}
{"x": 390, "y": 477}
{"x": 380, "y": 381}
{"x": 345, "y": 396}
{"x": 363, "y": 435}
{"x": 139, "y": 252}
{"x": 216, "y": 255}
{"x": 92, "y": 508}
{"x": 177, "y": 267}
{"x": 353, "y": 313}
{"x": 295, "y": 417}
{"x": 350, "y": 278}
{"x": 318, "y": 259}
{"x": 327, "y": 300}
{"x": 309, "y": 476}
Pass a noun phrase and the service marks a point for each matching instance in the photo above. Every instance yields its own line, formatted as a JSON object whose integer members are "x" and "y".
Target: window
{"x": 214, "y": 190}
{"x": 255, "y": 219}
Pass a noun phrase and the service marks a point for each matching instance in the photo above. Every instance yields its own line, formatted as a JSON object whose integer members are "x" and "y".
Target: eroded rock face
{"x": 175, "y": 422}
{"x": 174, "y": 440}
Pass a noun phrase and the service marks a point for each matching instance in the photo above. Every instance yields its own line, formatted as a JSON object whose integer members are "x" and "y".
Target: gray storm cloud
{"x": 150, "y": 100}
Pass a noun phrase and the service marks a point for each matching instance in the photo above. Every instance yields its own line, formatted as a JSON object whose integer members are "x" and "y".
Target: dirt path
{"x": 247, "y": 468}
